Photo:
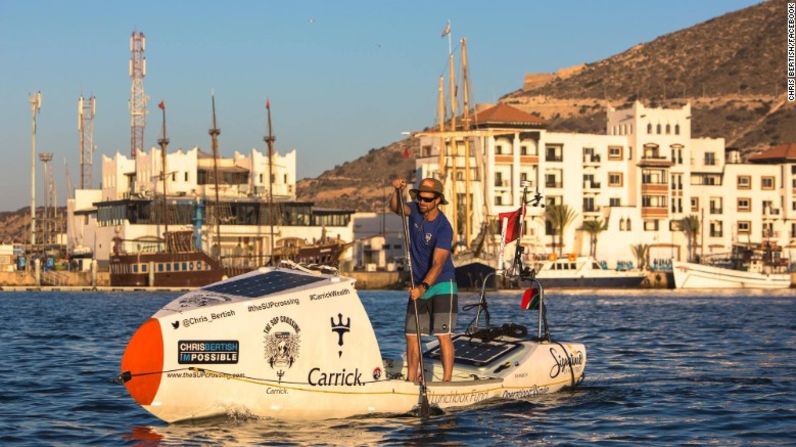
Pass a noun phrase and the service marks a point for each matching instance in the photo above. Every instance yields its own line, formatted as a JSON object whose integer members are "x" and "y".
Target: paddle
{"x": 422, "y": 400}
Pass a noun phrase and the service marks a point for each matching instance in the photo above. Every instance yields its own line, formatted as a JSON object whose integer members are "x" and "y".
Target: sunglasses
{"x": 427, "y": 199}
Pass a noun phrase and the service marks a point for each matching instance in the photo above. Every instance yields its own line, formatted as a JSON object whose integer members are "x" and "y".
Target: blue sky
{"x": 343, "y": 77}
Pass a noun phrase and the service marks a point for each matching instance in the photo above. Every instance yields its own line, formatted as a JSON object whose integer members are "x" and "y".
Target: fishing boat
{"x": 748, "y": 266}
{"x": 293, "y": 344}
{"x": 583, "y": 271}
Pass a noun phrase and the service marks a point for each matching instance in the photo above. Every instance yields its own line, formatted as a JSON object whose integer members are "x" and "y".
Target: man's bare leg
{"x": 412, "y": 359}
{"x": 446, "y": 348}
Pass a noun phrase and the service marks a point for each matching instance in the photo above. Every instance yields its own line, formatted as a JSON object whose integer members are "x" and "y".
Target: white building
{"x": 129, "y": 205}
{"x": 642, "y": 177}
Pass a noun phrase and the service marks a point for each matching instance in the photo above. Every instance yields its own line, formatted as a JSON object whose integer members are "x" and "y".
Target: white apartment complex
{"x": 642, "y": 177}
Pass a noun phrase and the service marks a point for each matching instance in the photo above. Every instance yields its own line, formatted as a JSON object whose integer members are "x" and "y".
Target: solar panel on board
{"x": 264, "y": 284}
{"x": 476, "y": 352}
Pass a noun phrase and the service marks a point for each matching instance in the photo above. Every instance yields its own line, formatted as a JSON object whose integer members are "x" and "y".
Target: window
{"x": 710, "y": 159}
{"x": 694, "y": 204}
{"x": 614, "y": 179}
{"x": 261, "y": 177}
{"x": 744, "y": 226}
{"x": 744, "y": 182}
{"x": 168, "y": 266}
{"x": 498, "y": 200}
{"x": 614, "y": 152}
{"x": 184, "y": 266}
{"x": 715, "y": 205}
{"x": 658, "y": 129}
{"x": 653, "y": 201}
{"x": 135, "y": 268}
{"x": 174, "y": 176}
{"x": 744, "y": 204}
{"x": 160, "y": 267}
{"x": 651, "y": 225}
{"x": 186, "y": 176}
{"x": 767, "y": 182}
{"x": 668, "y": 129}
{"x": 143, "y": 268}
{"x": 588, "y": 205}
{"x": 649, "y": 128}
{"x": 677, "y": 129}
{"x": 715, "y": 229}
{"x": 675, "y": 225}
{"x": 553, "y": 152}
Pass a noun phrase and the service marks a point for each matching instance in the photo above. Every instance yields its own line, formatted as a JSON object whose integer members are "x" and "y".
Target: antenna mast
{"x": 85, "y": 126}
{"x": 214, "y": 133}
{"x": 164, "y": 144}
{"x": 270, "y": 140}
{"x": 138, "y": 99}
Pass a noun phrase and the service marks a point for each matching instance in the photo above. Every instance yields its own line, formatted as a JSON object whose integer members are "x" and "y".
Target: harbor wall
{"x": 374, "y": 280}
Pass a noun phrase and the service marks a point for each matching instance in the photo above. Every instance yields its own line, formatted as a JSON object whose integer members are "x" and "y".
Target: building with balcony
{"x": 642, "y": 177}
{"x": 129, "y": 210}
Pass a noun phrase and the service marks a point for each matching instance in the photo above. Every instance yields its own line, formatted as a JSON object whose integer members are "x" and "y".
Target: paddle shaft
{"x": 423, "y": 397}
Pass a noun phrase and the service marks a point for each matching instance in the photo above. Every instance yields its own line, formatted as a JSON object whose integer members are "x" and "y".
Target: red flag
{"x": 513, "y": 226}
{"x": 268, "y": 104}
{"x": 162, "y": 105}
{"x": 530, "y": 299}
{"x": 406, "y": 153}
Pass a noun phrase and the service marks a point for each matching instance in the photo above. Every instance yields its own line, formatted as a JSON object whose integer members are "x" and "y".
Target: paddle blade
{"x": 424, "y": 412}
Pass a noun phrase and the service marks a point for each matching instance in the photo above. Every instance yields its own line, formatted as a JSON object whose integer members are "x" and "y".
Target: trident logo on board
{"x": 341, "y": 329}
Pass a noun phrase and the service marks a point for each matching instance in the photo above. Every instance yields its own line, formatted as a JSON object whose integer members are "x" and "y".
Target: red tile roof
{"x": 504, "y": 114}
{"x": 783, "y": 152}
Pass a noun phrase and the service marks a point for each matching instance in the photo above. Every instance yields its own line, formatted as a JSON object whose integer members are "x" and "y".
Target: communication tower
{"x": 138, "y": 99}
{"x": 85, "y": 126}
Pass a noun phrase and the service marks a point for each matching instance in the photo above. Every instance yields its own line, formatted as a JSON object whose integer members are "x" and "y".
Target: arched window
{"x": 677, "y": 129}
{"x": 668, "y": 129}
{"x": 659, "y": 129}
{"x": 649, "y": 128}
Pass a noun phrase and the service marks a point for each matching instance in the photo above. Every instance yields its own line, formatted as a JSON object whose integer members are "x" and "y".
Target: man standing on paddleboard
{"x": 436, "y": 293}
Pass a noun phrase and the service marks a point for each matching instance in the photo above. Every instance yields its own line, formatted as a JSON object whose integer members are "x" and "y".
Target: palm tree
{"x": 594, "y": 228}
{"x": 690, "y": 226}
{"x": 559, "y": 216}
{"x": 640, "y": 251}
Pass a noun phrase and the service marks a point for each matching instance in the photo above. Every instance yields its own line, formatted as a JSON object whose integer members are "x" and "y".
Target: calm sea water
{"x": 664, "y": 368}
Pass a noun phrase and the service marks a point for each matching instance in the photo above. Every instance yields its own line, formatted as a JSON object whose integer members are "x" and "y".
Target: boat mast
{"x": 270, "y": 139}
{"x": 441, "y": 113}
{"x": 214, "y": 133}
{"x": 454, "y": 153}
{"x": 466, "y": 128}
{"x": 164, "y": 143}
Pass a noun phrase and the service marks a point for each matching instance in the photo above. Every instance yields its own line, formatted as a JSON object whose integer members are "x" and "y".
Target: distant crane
{"x": 138, "y": 99}
{"x": 85, "y": 126}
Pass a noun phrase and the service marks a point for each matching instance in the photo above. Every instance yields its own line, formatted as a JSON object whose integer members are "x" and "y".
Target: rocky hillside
{"x": 361, "y": 184}
{"x": 15, "y": 225}
{"x": 730, "y": 69}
